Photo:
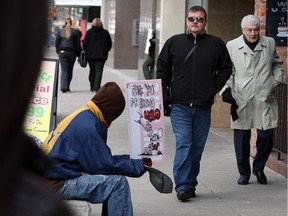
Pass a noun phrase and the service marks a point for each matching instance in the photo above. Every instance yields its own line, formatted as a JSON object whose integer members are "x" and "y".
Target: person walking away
{"x": 81, "y": 157}
{"x": 193, "y": 67}
{"x": 68, "y": 48}
{"x": 97, "y": 44}
{"x": 257, "y": 71}
{"x": 76, "y": 26}
{"x": 148, "y": 65}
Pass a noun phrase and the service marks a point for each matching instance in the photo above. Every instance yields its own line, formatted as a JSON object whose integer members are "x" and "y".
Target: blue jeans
{"x": 191, "y": 127}
{"x": 101, "y": 188}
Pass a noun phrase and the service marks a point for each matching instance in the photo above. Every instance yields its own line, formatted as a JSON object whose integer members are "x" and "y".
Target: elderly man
{"x": 257, "y": 71}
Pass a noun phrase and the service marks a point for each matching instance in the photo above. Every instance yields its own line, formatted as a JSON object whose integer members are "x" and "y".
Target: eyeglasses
{"x": 197, "y": 19}
{"x": 249, "y": 31}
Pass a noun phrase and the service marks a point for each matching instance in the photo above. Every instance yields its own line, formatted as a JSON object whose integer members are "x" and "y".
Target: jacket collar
{"x": 97, "y": 112}
{"x": 199, "y": 36}
{"x": 245, "y": 48}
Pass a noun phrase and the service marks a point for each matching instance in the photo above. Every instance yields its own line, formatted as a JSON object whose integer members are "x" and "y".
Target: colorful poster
{"x": 41, "y": 113}
{"x": 145, "y": 119}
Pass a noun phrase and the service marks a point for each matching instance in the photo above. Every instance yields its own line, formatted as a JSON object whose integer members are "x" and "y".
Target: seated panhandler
{"x": 83, "y": 165}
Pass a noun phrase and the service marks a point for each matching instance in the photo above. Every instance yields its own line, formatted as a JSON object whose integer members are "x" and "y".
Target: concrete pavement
{"x": 217, "y": 193}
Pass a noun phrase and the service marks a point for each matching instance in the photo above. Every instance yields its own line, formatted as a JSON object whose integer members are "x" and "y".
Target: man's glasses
{"x": 249, "y": 31}
{"x": 197, "y": 19}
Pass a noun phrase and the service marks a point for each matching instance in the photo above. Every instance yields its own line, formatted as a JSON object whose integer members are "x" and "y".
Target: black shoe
{"x": 261, "y": 178}
{"x": 185, "y": 194}
{"x": 242, "y": 181}
{"x": 65, "y": 90}
{"x": 193, "y": 194}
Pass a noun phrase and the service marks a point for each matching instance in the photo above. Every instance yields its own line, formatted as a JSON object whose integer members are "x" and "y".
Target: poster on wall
{"x": 145, "y": 119}
{"x": 276, "y": 21}
{"x": 41, "y": 113}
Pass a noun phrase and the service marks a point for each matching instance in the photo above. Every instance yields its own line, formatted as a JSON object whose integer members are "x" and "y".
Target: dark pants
{"x": 148, "y": 67}
{"x": 264, "y": 145}
{"x": 96, "y": 71}
{"x": 67, "y": 61}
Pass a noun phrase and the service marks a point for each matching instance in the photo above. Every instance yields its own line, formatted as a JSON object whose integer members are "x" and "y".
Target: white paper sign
{"x": 145, "y": 119}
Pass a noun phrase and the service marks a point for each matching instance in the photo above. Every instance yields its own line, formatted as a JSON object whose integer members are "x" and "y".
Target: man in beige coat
{"x": 257, "y": 71}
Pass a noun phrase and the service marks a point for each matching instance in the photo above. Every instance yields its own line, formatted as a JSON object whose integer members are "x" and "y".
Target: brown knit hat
{"x": 110, "y": 100}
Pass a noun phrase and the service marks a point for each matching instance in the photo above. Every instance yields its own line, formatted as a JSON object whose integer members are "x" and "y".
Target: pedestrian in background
{"x": 194, "y": 67}
{"x": 97, "y": 44}
{"x": 80, "y": 154}
{"x": 75, "y": 25}
{"x": 148, "y": 65}
{"x": 68, "y": 48}
{"x": 257, "y": 71}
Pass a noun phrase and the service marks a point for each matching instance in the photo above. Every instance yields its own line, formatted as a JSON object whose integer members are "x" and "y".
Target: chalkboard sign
{"x": 276, "y": 21}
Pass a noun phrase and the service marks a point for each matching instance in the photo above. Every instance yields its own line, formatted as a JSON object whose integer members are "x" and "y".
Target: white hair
{"x": 250, "y": 19}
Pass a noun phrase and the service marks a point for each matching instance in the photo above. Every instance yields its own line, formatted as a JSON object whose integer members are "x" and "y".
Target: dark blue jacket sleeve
{"x": 96, "y": 157}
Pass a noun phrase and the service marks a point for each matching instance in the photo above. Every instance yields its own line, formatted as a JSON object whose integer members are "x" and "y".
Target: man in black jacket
{"x": 193, "y": 66}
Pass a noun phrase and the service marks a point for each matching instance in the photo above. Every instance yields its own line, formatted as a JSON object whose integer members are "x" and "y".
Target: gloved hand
{"x": 234, "y": 113}
{"x": 166, "y": 102}
{"x": 147, "y": 162}
{"x": 228, "y": 98}
{"x": 167, "y": 110}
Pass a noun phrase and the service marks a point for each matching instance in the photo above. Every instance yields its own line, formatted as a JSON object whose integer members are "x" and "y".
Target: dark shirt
{"x": 250, "y": 45}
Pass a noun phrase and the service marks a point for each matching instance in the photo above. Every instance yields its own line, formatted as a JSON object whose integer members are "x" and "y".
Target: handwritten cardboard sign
{"x": 145, "y": 119}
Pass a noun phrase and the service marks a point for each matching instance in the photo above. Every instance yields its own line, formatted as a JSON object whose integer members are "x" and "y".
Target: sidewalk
{"x": 218, "y": 193}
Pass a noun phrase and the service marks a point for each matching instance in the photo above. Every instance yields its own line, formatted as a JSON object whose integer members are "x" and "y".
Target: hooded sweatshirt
{"x": 78, "y": 144}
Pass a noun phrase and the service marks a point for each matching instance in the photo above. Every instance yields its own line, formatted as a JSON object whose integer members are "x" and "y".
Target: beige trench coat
{"x": 252, "y": 83}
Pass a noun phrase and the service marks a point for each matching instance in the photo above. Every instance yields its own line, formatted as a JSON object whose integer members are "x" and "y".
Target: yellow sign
{"x": 41, "y": 113}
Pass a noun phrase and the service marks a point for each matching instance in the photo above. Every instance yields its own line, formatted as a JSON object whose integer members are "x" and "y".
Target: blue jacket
{"x": 78, "y": 145}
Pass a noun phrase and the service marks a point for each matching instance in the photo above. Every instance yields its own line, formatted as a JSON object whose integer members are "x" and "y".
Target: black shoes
{"x": 261, "y": 178}
{"x": 242, "y": 181}
{"x": 185, "y": 194}
{"x": 65, "y": 90}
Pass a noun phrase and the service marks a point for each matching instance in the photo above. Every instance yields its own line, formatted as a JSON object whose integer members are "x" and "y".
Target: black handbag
{"x": 83, "y": 59}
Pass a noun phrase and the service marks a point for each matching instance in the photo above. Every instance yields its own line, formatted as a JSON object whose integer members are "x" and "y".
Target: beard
{"x": 196, "y": 29}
